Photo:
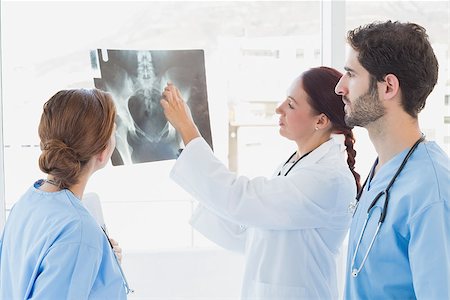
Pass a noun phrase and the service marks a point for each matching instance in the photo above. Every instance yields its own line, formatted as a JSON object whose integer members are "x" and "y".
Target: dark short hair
{"x": 401, "y": 49}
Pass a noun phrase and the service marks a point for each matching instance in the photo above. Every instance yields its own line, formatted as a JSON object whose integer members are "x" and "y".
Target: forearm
{"x": 189, "y": 132}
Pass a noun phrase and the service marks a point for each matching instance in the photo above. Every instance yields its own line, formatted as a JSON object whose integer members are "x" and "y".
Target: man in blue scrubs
{"x": 390, "y": 71}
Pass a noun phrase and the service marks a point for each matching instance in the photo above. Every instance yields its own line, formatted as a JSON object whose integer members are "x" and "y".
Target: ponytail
{"x": 319, "y": 84}
{"x": 351, "y": 154}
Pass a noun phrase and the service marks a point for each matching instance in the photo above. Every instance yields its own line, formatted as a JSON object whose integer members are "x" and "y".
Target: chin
{"x": 286, "y": 136}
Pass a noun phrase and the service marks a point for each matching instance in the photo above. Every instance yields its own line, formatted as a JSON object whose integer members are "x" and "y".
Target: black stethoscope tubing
{"x": 289, "y": 159}
{"x": 386, "y": 190}
{"x": 355, "y": 271}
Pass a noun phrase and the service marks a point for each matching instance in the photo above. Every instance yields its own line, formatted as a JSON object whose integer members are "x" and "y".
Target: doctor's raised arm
{"x": 289, "y": 226}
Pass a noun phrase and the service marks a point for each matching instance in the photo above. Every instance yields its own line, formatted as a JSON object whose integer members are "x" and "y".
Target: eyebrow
{"x": 348, "y": 69}
{"x": 292, "y": 98}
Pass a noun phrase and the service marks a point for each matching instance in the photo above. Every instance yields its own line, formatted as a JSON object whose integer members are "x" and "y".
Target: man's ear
{"x": 390, "y": 87}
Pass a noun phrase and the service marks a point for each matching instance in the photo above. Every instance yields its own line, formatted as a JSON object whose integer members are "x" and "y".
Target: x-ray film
{"x": 136, "y": 79}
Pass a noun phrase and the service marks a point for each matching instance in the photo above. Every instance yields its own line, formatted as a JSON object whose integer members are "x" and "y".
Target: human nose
{"x": 341, "y": 88}
{"x": 279, "y": 109}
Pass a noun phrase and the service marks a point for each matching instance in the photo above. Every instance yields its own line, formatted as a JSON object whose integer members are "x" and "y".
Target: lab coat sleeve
{"x": 429, "y": 252}
{"x": 67, "y": 271}
{"x": 304, "y": 199}
{"x": 224, "y": 233}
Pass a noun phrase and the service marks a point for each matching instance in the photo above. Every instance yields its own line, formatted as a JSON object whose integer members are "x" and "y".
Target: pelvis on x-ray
{"x": 136, "y": 79}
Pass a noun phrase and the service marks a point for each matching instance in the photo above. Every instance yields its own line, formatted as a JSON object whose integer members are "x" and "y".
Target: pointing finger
{"x": 167, "y": 95}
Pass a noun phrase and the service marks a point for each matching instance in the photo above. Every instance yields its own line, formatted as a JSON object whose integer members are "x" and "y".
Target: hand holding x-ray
{"x": 178, "y": 113}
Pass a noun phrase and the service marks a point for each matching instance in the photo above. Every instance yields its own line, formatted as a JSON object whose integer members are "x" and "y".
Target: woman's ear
{"x": 103, "y": 156}
{"x": 322, "y": 121}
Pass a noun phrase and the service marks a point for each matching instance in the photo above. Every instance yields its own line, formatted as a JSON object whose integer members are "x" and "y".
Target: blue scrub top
{"x": 52, "y": 248}
{"x": 410, "y": 257}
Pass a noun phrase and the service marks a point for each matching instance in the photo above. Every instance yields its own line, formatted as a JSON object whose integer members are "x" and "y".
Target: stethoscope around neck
{"x": 385, "y": 193}
{"x": 294, "y": 163}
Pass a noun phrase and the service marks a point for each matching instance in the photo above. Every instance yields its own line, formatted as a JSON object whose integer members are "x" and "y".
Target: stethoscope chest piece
{"x": 352, "y": 207}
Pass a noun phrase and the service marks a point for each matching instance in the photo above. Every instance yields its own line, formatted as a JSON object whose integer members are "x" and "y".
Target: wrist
{"x": 189, "y": 133}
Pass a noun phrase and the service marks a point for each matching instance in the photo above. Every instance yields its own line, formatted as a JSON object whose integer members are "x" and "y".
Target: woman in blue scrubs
{"x": 51, "y": 246}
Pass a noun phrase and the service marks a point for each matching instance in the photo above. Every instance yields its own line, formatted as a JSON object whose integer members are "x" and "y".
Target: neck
{"x": 78, "y": 189}
{"x": 308, "y": 145}
{"x": 51, "y": 185}
{"x": 391, "y": 135}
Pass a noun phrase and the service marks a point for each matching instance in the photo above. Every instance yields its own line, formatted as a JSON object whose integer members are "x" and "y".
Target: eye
{"x": 349, "y": 74}
{"x": 290, "y": 105}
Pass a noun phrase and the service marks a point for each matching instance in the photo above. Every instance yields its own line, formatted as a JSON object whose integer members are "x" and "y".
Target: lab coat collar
{"x": 332, "y": 145}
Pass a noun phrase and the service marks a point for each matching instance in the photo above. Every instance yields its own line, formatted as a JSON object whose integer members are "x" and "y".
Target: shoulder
{"x": 423, "y": 184}
{"x": 327, "y": 163}
{"x": 64, "y": 220}
{"x": 431, "y": 168}
{"x": 438, "y": 159}
{"x": 83, "y": 226}
{"x": 327, "y": 174}
{"x": 333, "y": 164}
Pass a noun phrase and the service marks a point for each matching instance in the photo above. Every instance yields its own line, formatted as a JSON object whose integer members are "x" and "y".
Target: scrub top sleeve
{"x": 68, "y": 271}
{"x": 307, "y": 198}
{"x": 429, "y": 252}
{"x": 224, "y": 233}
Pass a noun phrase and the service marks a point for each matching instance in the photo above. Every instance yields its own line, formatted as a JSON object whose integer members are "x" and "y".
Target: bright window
{"x": 252, "y": 52}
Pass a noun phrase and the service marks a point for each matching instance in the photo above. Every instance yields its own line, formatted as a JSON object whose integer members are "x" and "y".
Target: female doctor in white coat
{"x": 290, "y": 226}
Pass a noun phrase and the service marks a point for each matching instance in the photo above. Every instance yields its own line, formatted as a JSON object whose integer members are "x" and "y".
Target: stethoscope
{"x": 293, "y": 165}
{"x": 353, "y": 206}
{"x": 128, "y": 290}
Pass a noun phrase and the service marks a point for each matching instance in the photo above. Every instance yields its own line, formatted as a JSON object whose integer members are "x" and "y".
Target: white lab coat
{"x": 290, "y": 228}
